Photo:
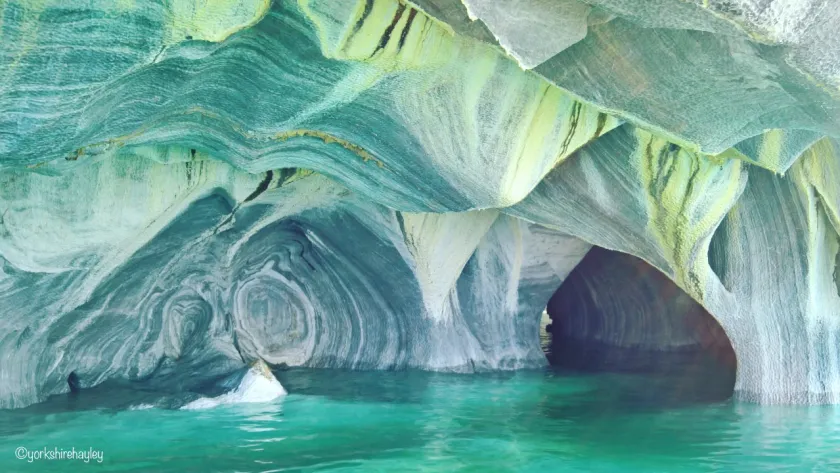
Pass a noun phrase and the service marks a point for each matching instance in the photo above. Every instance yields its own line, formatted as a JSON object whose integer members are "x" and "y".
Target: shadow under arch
{"x": 616, "y": 313}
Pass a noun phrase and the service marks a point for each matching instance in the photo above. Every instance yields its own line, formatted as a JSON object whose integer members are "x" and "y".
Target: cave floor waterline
{"x": 530, "y": 420}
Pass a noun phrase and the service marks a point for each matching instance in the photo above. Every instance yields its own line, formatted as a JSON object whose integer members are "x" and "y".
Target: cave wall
{"x": 304, "y": 274}
{"x": 770, "y": 283}
{"x": 165, "y": 167}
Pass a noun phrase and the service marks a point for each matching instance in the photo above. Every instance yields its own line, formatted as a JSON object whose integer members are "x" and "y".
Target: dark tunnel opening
{"x": 616, "y": 313}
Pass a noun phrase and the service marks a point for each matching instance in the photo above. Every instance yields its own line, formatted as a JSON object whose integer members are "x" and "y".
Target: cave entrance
{"x": 616, "y": 313}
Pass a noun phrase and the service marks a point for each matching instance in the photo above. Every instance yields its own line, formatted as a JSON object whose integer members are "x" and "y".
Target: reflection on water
{"x": 414, "y": 421}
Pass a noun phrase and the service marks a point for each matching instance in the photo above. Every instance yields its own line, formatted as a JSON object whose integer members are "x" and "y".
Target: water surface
{"x": 414, "y": 421}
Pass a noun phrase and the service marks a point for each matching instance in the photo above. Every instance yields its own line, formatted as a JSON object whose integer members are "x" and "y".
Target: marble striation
{"x": 187, "y": 187}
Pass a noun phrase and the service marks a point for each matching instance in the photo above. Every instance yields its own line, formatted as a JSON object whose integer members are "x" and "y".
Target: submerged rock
{"x": 257, "y": 384}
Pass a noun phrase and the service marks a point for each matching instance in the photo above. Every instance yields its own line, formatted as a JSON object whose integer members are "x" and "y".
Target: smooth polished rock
{"x": 378, "y": 184}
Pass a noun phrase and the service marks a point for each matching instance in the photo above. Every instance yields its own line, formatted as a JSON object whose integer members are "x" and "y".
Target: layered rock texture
{"x": 188, "y": 186}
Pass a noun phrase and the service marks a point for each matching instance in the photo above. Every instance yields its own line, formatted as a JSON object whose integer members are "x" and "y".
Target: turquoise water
{"x": 413, "y": 421}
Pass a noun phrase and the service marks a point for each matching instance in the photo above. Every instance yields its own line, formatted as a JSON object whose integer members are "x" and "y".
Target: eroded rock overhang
{"x": 376, "y": 184}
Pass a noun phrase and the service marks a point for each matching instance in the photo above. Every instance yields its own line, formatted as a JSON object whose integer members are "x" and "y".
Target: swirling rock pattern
{"x": 304, "y": 274}
{"x": 186, "y": 187}
{"x": 745, "y": 247}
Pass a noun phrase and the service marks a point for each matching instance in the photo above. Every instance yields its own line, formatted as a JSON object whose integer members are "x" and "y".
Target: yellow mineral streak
{"x": 212, "y": 20}
{"x": 687, "y": 195}
{"x": 542, "y": 124}
{"x": 329, "y": 139}
{"x": 388, "y": 34}
{"x": 579, "y": 125}
{"x": 120, "y": 141}
{"x": 770, "y": 153}
{"x": 819, "y": 166}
